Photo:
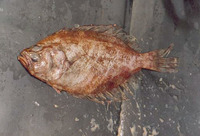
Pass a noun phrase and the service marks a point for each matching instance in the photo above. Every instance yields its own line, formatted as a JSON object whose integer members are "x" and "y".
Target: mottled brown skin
{"x": 84, "y": 62}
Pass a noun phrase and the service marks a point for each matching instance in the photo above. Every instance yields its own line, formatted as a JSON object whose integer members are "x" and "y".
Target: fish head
{"x": 36, "y": 60}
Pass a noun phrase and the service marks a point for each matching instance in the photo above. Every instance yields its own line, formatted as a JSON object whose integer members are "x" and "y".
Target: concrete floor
{"x": 163, "y": 104}
{"x": 166, "y": 104}
{"x": 27, "y": 106}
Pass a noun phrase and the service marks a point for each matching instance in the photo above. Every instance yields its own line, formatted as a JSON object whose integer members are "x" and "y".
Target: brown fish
{"x": 90, "y": 61}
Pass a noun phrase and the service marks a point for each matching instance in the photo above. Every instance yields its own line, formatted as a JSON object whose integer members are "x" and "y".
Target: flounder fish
{"x": 92, "y": 62}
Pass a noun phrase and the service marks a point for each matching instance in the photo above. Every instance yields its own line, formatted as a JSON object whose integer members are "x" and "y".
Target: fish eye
{"x": 36, "y": 48}
{"x": 34, "y": 57}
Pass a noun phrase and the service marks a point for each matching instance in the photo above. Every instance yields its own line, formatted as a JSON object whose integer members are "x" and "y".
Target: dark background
{"x": 162, "y": 105}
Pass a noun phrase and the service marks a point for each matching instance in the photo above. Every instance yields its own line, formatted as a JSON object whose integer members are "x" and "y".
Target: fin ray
{"x": 159, "y": 62}
{"x": 112, "y": 30}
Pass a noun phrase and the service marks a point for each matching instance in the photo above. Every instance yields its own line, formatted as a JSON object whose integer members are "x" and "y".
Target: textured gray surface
{"x": 29, "y": 107}
{"x": 163, "y": 104}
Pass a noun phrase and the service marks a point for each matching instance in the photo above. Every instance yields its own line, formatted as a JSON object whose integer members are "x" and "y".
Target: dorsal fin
{"x": 111, "y": 30}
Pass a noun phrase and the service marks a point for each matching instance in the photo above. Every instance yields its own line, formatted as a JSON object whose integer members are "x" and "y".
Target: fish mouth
{"x": 23, "y": 59}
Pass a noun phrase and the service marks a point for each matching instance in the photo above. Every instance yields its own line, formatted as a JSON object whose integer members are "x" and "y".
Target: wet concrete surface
{"x": 163, "y": 104}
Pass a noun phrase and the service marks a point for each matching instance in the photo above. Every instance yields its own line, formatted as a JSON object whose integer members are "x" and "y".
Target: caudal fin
{"x": 157, "y": 60}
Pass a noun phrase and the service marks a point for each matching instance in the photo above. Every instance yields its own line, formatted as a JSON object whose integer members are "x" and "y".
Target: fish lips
{"x": 24, "y": 59}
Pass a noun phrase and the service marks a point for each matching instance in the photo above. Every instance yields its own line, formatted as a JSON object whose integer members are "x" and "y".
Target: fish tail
{"x": 157, "y": 61}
